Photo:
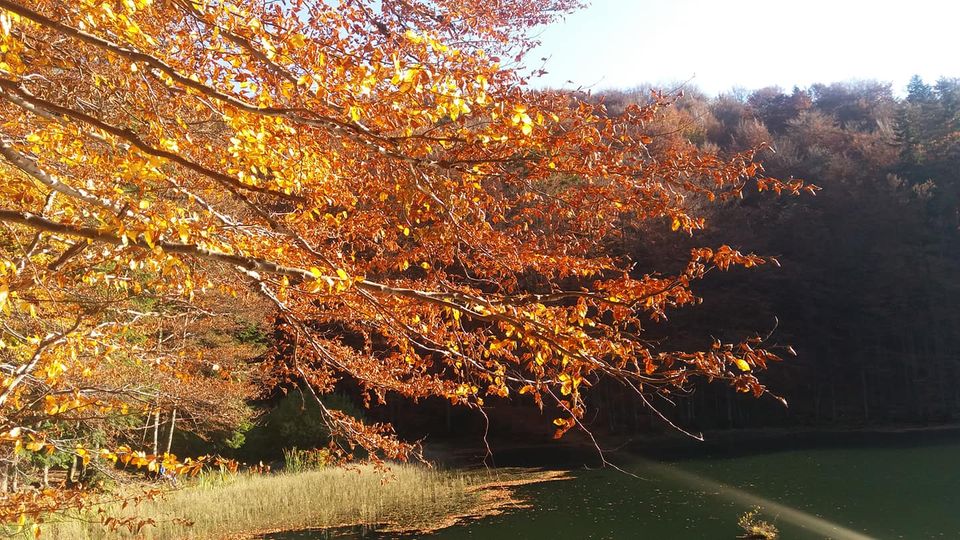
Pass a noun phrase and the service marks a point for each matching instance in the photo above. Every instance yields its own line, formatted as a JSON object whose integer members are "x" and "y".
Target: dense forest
{"x": 866, "y": 291}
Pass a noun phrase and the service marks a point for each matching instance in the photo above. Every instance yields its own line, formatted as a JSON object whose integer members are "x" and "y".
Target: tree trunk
{"x": 156, "y": 432}
{"x": 173, "y": 425}
{"x": 833, "y": 399}
{"x": 146, "y": 429}
{"x": 75, "y": 472}
{"x": 817, "y": 398}
{"x": 15, "y": 480}
{"x": 866, "y": 394}
{"x": 729, "y": 400}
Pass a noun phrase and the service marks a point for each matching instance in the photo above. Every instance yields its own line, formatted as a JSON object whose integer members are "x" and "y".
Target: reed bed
{"x": 216, "y": 506}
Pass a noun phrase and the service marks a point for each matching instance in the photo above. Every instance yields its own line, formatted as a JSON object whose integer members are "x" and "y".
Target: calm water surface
{"x": 859, "y": 493}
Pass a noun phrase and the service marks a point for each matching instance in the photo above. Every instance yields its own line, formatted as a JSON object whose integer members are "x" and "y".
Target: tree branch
{"x": 230, "y": 183}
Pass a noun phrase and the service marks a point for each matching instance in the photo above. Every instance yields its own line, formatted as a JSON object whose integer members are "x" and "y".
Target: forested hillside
{"x": 869, "y": 275}
{"x": 868, "y": 285}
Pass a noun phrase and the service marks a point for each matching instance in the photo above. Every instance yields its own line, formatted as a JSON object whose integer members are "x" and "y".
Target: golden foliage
{"x": 374, "y": 166}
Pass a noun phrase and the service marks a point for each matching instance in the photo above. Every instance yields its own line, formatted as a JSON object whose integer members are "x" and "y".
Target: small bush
{"x": 755, "y": 528}
{"x": 297, "y": 461}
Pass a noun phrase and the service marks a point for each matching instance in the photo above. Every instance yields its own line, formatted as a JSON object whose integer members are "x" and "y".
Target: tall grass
{"x": 296, "y": 460}
{"x": 407, "y": 497}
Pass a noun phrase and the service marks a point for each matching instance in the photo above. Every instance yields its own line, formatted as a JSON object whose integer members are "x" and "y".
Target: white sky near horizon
{"x": 721, "y": 45}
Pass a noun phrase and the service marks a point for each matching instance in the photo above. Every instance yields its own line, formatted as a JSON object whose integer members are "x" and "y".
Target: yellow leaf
{"x": 742, "y": 364}
{"x": 51, "y": 406}
{"x": 355, "y": 113}
{"x": 342, "y": 274}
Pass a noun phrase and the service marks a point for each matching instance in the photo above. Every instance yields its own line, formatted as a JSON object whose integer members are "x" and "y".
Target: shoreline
{"x": 404, "y": 499}
{"x": 741, "y": 442}
{"x": 666, "y": 446}
{"x": 495, "y": 498}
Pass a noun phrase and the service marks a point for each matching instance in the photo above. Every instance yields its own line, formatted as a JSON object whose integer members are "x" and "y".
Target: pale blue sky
{"x": 750, "y": 43}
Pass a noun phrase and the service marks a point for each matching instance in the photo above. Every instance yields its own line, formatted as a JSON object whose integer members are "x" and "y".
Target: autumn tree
{"x": 378, "y": 172}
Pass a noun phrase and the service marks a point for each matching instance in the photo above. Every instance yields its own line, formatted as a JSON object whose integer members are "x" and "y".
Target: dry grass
{"x": 406, "y": 498}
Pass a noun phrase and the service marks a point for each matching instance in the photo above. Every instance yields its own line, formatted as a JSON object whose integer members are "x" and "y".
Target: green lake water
{"x": 902, "y": 491}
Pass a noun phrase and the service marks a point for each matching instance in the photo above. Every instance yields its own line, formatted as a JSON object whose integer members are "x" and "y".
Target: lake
{"x": 899, "y": 491}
